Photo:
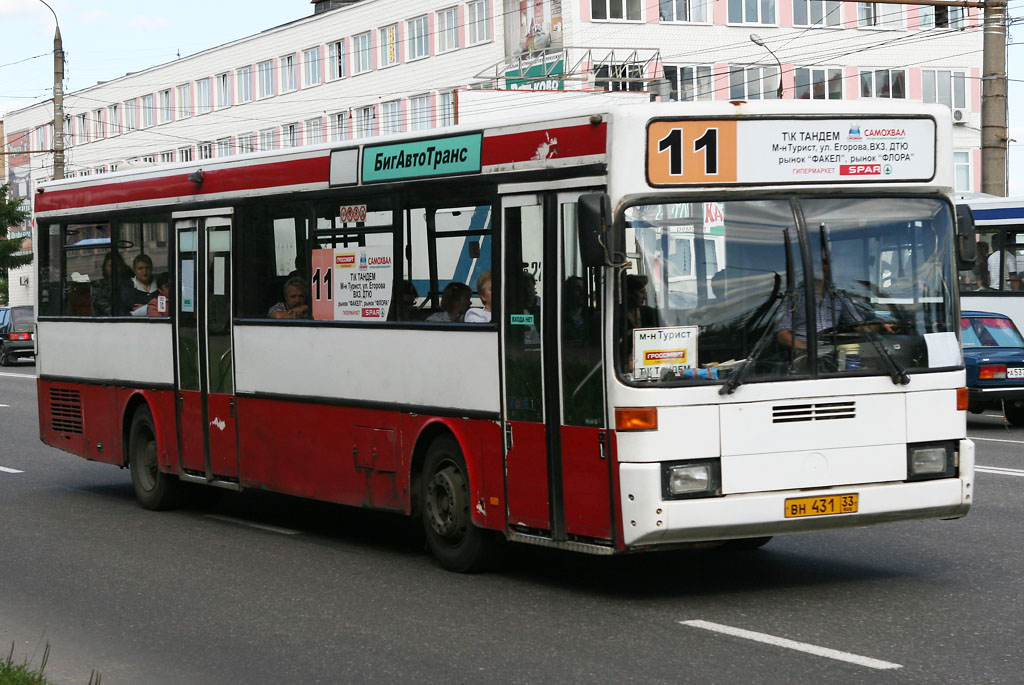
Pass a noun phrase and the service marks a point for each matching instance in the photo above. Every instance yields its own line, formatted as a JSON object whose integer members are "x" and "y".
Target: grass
{"x": 21, "y": 674}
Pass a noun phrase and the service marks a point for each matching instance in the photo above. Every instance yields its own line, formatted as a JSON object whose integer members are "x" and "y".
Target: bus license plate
{"x": 821, "y": 506}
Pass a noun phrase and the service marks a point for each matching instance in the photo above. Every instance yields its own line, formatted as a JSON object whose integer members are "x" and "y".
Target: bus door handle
{"x": 602, "y": 441}
{"x": 508, "y": 437}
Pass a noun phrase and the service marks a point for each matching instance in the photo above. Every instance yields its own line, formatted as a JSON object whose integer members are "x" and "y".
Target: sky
{"x": 121, "y": 36}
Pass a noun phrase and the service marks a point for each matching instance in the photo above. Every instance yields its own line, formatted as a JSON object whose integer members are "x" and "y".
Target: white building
{"x": 362, "y": 68}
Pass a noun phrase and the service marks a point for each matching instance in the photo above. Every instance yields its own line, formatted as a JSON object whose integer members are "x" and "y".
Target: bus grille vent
{"x": 822, "y": 411}
{"x": 65, "y": 411}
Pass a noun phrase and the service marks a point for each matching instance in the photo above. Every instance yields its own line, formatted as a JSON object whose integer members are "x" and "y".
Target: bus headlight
{"x": 701, "y": 478}
{"x": 931, "y": 460}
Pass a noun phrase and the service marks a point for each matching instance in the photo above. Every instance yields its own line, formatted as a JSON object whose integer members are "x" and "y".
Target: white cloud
{"x": 96, "y": 16}
{"x": 143, "y": 23}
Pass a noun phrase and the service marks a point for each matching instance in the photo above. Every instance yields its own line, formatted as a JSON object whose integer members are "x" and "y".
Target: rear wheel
{"x": 456, "y": 543}
{"x": 1014, "y": 414}
{"x": 153, "y": 489}
{"x": 4, "y": 360}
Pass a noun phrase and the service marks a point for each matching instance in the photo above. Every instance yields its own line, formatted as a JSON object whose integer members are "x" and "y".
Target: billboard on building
{"x": 19, "y": 166}
{"x": 532, "y": 26}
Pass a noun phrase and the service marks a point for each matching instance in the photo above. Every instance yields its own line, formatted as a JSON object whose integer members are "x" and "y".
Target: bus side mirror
{"x": 595, "y": 229}
{"x": 966, "y": 238}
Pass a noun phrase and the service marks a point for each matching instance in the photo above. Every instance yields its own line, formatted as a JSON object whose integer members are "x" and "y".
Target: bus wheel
{"x": 456, "y": 543}
{"x": 747, "y": 543}
{"x": 153, "y": 489}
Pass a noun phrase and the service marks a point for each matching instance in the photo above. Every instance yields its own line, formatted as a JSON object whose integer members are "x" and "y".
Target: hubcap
{"x": 447, "y": 502}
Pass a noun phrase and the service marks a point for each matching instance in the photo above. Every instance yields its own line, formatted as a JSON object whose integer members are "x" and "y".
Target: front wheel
{"x": 154, "y": 489}
{"x": 456, "y": 543}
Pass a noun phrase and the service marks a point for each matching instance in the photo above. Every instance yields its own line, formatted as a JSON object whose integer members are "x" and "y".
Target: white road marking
{"x": 1016, "y": 442}
{"x": 4, "y": 405}
{"x": 792, "y": 644}
{"x": 7, "y": 470}
{"x": 1001, "y": 471}
{"x": 16, "y": 375}
{"x": 250, "y": 524}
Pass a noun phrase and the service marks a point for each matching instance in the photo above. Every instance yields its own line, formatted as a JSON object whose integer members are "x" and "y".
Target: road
{"x": 257, "y": 588}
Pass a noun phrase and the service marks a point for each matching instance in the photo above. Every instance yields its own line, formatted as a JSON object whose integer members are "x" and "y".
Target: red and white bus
{"x": 644, "y": 377}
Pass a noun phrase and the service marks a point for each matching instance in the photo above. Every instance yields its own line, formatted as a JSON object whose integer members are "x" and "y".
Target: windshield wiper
{"x": 736, "y": 378}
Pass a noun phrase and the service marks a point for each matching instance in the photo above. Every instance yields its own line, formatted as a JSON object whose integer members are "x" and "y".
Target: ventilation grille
{"x": 65, "y": 411}
{"x": 822, "y": 411}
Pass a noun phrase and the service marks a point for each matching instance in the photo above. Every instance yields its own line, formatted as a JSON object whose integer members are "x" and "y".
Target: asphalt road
{"x": 256, "y": 588}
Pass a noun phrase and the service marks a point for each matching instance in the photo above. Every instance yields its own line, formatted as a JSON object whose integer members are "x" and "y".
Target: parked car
{"x": 16, "y": 336}
{"x": 994, "y": 357}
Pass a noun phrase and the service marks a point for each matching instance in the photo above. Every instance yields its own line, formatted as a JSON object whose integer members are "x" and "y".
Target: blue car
{"x": 994, "y": 357}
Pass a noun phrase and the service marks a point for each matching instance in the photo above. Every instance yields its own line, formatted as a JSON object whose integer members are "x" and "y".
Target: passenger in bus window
{"x": 483, "y": 289}
{"x": 578, "y": 320}
{"x": 454, "y": 302}
{"x": 296, "y": 301}
{"x": 1010, "y": 280}
{"x": 103, "y": 288}
{"x": 139, "y": 290}
{"x": 158, "y": 305}
{"x": 982, "y": 278}
{"x": 403, "y": 301}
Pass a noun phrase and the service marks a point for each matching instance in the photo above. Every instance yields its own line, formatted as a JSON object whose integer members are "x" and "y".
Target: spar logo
{"x": 860, "y": 169}
{"x": 664, "y": 357}
{"x": 371, "y": 312}
{"x": 345, "y": 260}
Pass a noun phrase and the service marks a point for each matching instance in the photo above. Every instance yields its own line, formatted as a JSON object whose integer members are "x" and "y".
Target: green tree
{"x": 11, "y": 214}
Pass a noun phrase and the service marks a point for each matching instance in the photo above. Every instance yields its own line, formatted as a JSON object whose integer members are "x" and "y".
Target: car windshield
{"x": 714, "y": 287}
{"x": 989, "y": 331}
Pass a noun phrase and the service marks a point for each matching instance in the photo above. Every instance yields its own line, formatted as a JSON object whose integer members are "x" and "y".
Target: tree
{"x": 11, "y": 214}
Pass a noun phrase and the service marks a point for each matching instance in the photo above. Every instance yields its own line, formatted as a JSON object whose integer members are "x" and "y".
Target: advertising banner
{"x": 532, "y": 26}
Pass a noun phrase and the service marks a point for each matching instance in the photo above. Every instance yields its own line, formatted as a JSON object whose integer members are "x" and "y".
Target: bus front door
{"x": 557, "y": 459}
{"x": 208, "y": 445}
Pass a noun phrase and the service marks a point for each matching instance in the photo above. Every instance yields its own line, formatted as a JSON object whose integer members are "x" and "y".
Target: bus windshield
{"x": 720, "y": 288}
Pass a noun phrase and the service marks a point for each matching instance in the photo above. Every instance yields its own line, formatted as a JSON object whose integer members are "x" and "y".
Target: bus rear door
{"x": 208, "y": 443}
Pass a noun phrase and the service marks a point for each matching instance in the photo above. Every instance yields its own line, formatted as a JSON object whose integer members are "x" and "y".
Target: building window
{"x": 419, "y": 112}
{"x": 268, "y": 139}
{"x": 336, "y": 59}
{"x": 290, "y": 135}
{"x": 944, "y": 86}
{"x": 82, "y": 128}
{"x": 265, "y": 70}
{"x": 446, "y": 108}
{"x": 361, "y": 55}
{"x": 314, "y": 129}
{"x": 184, "y": 101}
{"x": 389, "y": 46}
{"x": 601, "y": 10}
{"x": 753, "y": 83}
{"x": 479, "y": 12}
{"x": 99, "y": 130}
{"x": 962, "y": 172}
{"x": 818, "y": 84}
{"x": 148, "y": 111}
{"x": 751, "y": 11}
{"x": 166, "y": 106}
{"x": 289, "y": 74}
{"x": 114, "y": 119}
{"x": 685, "y": 10}
{"x": 391, "y": 115}
{"x": 620, "y": 77}
{"x": 311, "y": 60}
{"x": 883, "y": 83}
{"x": 876, "y": 15}
{"x": 448, "y": 29}
{"x": 933, "y": 17}
{"x": 339, "y": 126}
{"x": 166, "y": 157}
{"x": 245, "y": 84}
{"x": 419, "y": 37}
{"x": 184, "y": 154}
{"x": 364, "y": 122}
{"x": 205, "y": 150}
{"x": 224, "y": 89}
{"x": 691, "y": 83}
{"x": 203, "y": 102}
{"x": 817, "y": 13}
{"x": 131, "y": 115}
{"x": 225, "y": 147}
{"x": 246, "y": 143}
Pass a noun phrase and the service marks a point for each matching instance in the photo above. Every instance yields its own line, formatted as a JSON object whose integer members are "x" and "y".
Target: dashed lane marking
{"x": 250, "y": 524}
{"x": 7, "y": 470}
{"x": 1000, "y": 471}
{"x": 865, "y": 661}
{"x": 1015, "y": 442}
{"x": 16, "y": 375}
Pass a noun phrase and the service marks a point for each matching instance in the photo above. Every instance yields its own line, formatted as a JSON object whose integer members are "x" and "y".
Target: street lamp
{"x": 58, "y": 98}
{"x": 759, "y": 41}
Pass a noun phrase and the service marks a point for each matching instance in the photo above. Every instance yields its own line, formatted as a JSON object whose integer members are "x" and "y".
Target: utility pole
{"x": 994, "y": 135}
{"x": 58, "y": 103}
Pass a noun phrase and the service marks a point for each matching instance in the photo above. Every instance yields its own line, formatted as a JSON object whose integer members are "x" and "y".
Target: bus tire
{"x": 747, "y": 543}
{"x": 456, "y": 543}
{"x": 154, "y": 489}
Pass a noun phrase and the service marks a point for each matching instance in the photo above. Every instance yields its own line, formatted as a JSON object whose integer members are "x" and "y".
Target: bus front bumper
{"x": 649, "y": 520}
